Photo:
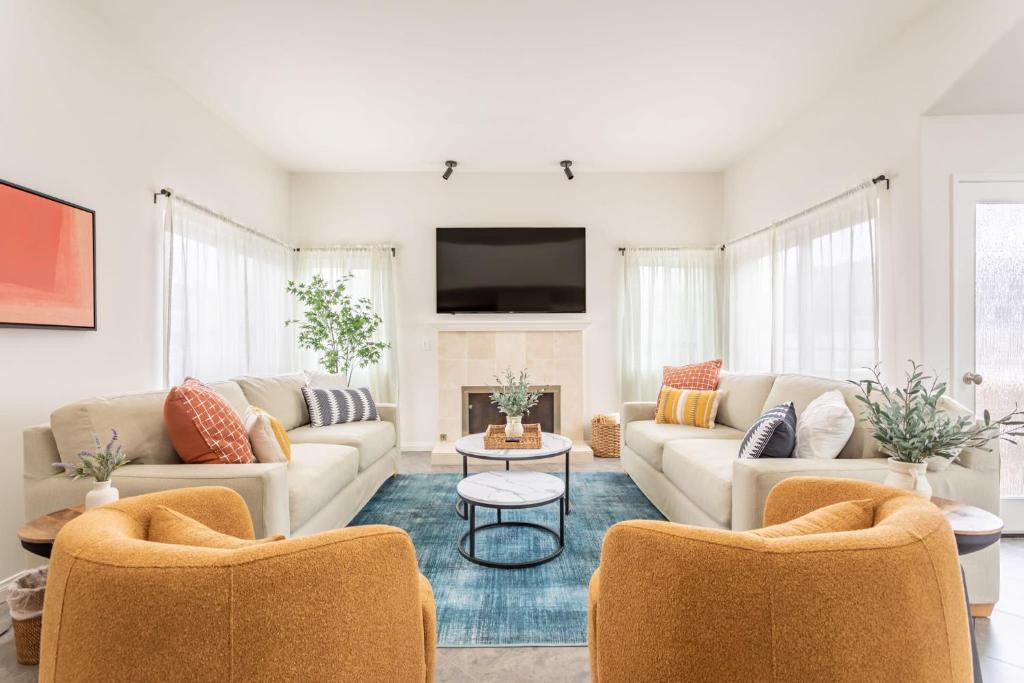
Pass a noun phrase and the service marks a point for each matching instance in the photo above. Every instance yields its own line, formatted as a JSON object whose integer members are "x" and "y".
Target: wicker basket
{"x": 605, "y": 436}
{"x": 26, "y": 639}
{"x": 494, "y": 437}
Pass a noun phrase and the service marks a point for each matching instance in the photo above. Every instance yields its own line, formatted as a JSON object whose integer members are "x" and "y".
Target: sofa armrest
{"x": 633, "y": 411}
{"x": 388, "y": 412}
{"x": 39, "y": 452}
{"x": 754, "y": 478}
{"x": 264, "y": 487}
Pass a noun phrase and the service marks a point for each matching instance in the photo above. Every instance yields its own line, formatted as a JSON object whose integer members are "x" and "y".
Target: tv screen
{"x": 511, "y": 270}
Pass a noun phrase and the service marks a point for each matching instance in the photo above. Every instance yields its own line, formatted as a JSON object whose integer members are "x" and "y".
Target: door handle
{"x": 972, "y": 378}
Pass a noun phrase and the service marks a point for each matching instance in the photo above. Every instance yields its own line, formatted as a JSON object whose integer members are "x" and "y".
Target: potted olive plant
{"x": 99, "y": 466}
{"x": 515, "y": 399}
{"x": 911, "y": 428}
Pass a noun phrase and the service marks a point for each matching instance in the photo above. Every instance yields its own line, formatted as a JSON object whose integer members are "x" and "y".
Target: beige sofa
{"x": 693, "y": 476}
{"x": 333, "y": 472}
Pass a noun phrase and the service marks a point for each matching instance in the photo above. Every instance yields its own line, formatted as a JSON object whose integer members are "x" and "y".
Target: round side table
{"x": 37, "y": 535}
{"x": 975, "y": 529}
{"x": 511, "y": 491}
{"x": 551, "y": 446}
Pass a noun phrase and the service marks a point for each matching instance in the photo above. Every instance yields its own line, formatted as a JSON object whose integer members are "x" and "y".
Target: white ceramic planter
{"x": 514, "y": 428}
{"x": 909, "y": 476}
{"x": 101, "y": 494}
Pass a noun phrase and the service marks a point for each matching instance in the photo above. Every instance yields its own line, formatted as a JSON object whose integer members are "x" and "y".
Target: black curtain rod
{"x": 394, "y": 250}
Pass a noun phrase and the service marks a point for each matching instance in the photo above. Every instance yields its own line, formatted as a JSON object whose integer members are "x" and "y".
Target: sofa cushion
{"x": 170, "y": 526}
{"x": 849, "y": 515}
{"x": 742, "y": 399}
{"x": 647, "y": 438}
{"x": 281, "y": 396}
{"x": 138, "y": 419}
{"x": 373, "y": 439}
{"x": 802, "y": 389}
{"x": 702, "y": 470}
{"x": 316, "y": 474}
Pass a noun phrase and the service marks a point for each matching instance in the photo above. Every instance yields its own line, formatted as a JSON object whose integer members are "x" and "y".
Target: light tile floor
{"x": 1000, "y": 639}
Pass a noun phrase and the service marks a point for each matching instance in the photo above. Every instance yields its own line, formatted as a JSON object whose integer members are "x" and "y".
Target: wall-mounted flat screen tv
{"x": 511, "y": 270}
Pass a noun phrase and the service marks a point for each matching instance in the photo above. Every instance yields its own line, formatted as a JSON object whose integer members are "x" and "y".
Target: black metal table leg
{"x": 499, "y": 515}
{"x": 561, "y": 521}
{"x": 472, "y": 530}
{"x": 460, "y": 505}
{"x": 567, "y": 482}
{"x": 975, "y": 661}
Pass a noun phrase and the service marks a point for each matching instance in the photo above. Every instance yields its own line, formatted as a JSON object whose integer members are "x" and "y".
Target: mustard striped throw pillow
{"x": 687, "y": 407}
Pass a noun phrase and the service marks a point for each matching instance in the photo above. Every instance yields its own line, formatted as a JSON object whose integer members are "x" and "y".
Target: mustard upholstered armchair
{"x": 680, "y": 603}
{"x": 345, "y": 605}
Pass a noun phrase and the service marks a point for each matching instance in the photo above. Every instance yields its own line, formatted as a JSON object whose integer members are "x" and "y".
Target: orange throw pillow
{"x": 168, "y": 526}
{"x": 203, "y": 426}
{"x": 699, "y": 376}
{"x": 850, "y": 515}
{"x": 696, "y": 377}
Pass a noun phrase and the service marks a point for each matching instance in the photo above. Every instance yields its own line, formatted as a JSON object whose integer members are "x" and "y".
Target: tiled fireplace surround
{"x": 473, "y": 358}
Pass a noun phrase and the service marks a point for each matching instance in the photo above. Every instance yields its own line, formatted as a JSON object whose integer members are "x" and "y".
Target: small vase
{"x": 101, "y": 494}
{"x": 514, "y": 428}
{"x": 909, "y": 476}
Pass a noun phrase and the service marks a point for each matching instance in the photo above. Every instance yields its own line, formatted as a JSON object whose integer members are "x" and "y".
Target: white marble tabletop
{"x": 550, "y": 446}
{"x": 518, "y": 488}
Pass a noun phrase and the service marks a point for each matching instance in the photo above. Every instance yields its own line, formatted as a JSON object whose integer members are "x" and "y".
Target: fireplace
{"x": 478, "y": 412}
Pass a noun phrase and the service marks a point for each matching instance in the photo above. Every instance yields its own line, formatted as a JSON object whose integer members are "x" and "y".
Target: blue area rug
{"x": 482, "y": 607}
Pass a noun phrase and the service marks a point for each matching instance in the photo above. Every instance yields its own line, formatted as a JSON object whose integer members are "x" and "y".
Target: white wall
{"x": 81, "y": 120}
{"x": 963, "y": 146}
{"x": 869, "y": 124}
{"x": 404, "y": 208}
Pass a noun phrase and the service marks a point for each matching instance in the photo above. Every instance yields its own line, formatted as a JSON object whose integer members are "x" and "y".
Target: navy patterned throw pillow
{"x": 773, "y": 435}
{"x": 335, "y": 406}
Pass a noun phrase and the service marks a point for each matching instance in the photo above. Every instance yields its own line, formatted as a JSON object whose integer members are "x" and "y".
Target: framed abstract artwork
{"x": 47, "y": 261}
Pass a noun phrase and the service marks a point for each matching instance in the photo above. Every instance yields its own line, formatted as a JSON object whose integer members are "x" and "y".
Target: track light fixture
{"x": 567, "y": 168}
{"x": 448, "y": 171}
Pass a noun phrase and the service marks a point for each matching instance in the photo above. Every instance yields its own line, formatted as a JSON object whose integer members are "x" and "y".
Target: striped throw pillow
{"x": 336, "y": 406}
{"x": 687, "y": 407}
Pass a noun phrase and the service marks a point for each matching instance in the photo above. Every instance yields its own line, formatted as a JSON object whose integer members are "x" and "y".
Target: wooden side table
{"x": 975, "y": 529}
{"x": 37, "y": 535}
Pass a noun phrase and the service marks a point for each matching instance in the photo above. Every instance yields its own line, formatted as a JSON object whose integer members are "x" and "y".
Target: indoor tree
{"x": 339, "y": 327}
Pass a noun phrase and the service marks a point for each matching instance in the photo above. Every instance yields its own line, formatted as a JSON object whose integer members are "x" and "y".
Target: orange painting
{"x": 46, "y": 261}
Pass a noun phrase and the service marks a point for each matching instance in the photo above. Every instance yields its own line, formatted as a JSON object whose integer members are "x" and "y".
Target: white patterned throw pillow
{"x": 824, "y": 427}
{"x": 336, "y": 406}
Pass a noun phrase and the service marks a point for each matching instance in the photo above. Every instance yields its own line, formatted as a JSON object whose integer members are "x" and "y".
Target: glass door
{"x": 988, "y": 337}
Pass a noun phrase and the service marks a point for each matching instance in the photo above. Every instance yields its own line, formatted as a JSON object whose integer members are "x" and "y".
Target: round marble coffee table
{"x": 551, "y": 446}
{"x": 511, "y": 491}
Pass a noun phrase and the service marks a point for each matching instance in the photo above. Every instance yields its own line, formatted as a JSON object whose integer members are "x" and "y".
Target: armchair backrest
{"x": 673, "y": 602}
{"x": 341, "y": 605}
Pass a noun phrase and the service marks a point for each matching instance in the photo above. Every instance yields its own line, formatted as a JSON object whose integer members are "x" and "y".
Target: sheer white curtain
{"x": 668, "y": 314}
{"x": 224, "y": 298}
{"x": 822, "y": 281}
{"x": 372, "y": 268}
{"x": 748, "y": 318}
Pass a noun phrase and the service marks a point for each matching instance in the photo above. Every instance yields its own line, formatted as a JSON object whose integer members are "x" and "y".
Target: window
{"x": 803, "y": 295}
{"x": 225, "y": 302}
{"x": 669, "y": 314}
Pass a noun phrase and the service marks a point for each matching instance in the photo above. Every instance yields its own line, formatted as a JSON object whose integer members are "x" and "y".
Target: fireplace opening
{"x": 478, "y": 412}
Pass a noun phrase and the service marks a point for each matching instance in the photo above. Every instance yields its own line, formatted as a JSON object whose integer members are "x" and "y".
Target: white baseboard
{"x": 417, "y": 446}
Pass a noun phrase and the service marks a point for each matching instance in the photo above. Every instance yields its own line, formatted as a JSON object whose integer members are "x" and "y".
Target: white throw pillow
{"x": 265, "y": 444}
{"x": 325, "y": 380}
{"x": 824, "y": 427}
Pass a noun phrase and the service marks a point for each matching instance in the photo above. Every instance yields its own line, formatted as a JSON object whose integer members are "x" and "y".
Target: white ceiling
{"x": 674, "y": 85}
{"x": 995, "y": 85}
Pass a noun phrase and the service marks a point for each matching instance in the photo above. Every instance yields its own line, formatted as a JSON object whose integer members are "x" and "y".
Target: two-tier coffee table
{"x": 551, "y": 446}
{"x": 507, "y": 490}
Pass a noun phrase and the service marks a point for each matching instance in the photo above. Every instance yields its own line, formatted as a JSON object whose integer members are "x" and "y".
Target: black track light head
{"x": 567, "y": 168}
{"x": 448, "y": 171}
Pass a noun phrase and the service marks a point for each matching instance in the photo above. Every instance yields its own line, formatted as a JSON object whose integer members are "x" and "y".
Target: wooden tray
{"x": 494, "y": 437}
